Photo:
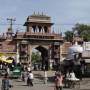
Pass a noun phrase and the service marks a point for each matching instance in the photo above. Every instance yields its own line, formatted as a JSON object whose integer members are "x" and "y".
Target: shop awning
{"x": 4, "y": 59}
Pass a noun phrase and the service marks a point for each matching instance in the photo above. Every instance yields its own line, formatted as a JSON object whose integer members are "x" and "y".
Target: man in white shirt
{"x": 30, "y": 79}
{"x": 29, "y": 69}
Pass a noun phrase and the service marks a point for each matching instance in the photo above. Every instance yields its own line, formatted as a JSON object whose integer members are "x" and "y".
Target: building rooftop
{"x": 38, "y": 18}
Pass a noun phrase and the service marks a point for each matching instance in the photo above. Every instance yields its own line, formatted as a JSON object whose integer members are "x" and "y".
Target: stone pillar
{"x": 45, "y": 77}
{"x": 29, "y": 29}
{"x": 61, "y": 57}
{"x": 29, "y": 53}
{"x": 49, "y": 29}
{"x": 42, "y": 30}
{"x": 49, "y": 58}
{"x": 17, "y": 54}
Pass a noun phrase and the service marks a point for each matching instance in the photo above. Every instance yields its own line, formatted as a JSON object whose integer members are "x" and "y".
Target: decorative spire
{"x": 42, "y": 14}
{"x": 34, "y": 13}
{"x": 38, "y": 13}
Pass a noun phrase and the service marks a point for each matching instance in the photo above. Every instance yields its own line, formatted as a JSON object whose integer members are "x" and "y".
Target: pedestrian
{"x": 28, "y": 68}
{"x": 5, "y": 83}
{"x": 59, "y": 82}
{"x": 23, "y": 75}
{"x": 8, "y": 70}
{"x": 30, "y": 79}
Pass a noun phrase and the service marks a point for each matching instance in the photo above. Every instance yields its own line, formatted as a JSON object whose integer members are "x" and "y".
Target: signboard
{"x": 86, "y": 52}
{"x": 86, "y": 46}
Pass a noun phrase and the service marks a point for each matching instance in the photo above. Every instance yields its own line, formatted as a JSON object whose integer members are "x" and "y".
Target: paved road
{"x": 39, "y": 83}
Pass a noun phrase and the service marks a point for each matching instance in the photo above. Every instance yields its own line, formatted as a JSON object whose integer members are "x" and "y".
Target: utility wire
{"x": 55, "y": 24}
{"x": 23, "y": 24}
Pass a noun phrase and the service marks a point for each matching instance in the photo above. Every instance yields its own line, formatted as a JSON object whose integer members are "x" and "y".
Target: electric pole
{"x": 11, "y": 22}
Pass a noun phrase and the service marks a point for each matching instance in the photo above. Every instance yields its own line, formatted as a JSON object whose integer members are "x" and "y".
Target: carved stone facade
{"x": 38, "y": 35}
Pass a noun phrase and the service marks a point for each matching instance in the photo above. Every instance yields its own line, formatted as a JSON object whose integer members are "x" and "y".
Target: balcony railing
{"x": 38, "y": 35}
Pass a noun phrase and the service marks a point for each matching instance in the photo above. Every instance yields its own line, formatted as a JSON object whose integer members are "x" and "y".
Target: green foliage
{"x": 35, "y": 57}
{"x": 83, "y": 31}
{"x": 69, "y": 36}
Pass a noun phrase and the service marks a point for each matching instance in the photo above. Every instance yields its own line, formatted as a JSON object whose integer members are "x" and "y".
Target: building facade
{"x": 38, "y": 35}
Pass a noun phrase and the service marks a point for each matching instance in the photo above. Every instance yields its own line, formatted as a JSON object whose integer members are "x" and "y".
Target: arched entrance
{"x": 39, "y": 35}
{"x": 44, "y": 57}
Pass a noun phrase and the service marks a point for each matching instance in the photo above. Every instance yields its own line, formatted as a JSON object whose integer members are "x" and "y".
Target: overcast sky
{"x": 64, "y": 13}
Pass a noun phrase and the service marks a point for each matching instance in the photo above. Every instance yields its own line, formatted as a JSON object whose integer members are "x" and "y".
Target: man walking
{"x": 5, "y": 83}
{"x": 30, "y": 79}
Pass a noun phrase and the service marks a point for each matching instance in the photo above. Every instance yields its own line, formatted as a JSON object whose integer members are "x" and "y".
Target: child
{"x": 59, "y": 82}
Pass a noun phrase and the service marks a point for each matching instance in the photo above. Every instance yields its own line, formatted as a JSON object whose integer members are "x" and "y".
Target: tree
{"x": 83, "y": 31}
{"x": 35, "y": 57}
{"x": 69, "y": 36}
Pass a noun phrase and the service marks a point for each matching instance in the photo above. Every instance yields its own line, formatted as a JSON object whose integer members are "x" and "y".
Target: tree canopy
{"x": 36, "y": 57}
{"x": 69, "y": 36}
{"x": 83, "y": 31}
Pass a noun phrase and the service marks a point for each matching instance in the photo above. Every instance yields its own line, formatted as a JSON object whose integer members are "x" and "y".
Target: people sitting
{"x": 71, "y": 79}
{"x": 71, "y": 76}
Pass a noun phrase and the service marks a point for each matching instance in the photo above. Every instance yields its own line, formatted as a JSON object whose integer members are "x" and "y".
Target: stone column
{"x": 49, "y": 29}
{"x": 61, "y": 57}
{"x": 49, "y": 58}
{"x": 29, "y": 53}
{"x": 30, "y": 29}
{"x": 42, "y": 30}
{"x": 17, "y": 53}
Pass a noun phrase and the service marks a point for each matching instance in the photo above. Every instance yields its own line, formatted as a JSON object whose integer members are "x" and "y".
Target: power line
{"x": 22, "y": 24}
{"x": 11, "y": 22}
{"x": 4, "y": 24}
{"x": 57, "y": 24}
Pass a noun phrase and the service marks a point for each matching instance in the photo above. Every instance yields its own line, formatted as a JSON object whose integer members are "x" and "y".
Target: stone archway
{"x": 39, "y": 35}
{"x": 44, "y": 55}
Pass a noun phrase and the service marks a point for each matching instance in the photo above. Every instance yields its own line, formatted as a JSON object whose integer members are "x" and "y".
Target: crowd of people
{"x": 28, "y": 77}
{"x": 26, "y": 74}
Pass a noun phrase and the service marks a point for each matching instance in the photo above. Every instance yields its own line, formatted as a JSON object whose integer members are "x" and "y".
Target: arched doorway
{"x": 39, "y": 35}
{"x": 44, "y": 57}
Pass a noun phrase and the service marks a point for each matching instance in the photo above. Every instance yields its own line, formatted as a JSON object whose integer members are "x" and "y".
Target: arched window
{"x": 39, "y": 27}
{"x": 45, "y": 29}
{"x": 34, "y": 28}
